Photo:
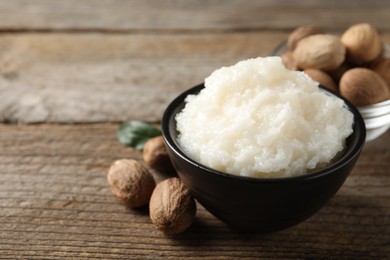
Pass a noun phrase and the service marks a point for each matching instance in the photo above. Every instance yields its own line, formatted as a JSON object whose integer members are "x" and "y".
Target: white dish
{"x": 376, "y": 132}
{"x": 379, "y": 111}
{"x": 376, "y": 122}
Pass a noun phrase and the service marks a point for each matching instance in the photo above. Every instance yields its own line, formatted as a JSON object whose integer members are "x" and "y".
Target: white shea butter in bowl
{"x": 259, "y": 119}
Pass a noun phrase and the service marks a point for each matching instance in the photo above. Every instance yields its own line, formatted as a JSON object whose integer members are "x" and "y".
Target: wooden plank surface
{"x": 128, "y": 15}
{"x": 96, "y": 77}
{"x": 55, "y": 204}
{"x": 69, "y": 61}
{"x": 99, "y": 78}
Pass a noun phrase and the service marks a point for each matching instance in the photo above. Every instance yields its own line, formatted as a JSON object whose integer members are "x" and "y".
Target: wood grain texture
{"x": 100, "y": 78}
{"x": 79, "y": 78}
{"x": 69, "y": 61}
{"x": 55, "y": 204}
{"x": 128, "y": 15}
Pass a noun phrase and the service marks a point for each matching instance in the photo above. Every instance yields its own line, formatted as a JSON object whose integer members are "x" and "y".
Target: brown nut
{"x": 131, "y": 182}
{"x": 322, "y": 77}
{"x": 300, "y": 33}
{"x": 363, "y": 87}
{"x": 363, "y": 43}
{"x": 320, "y": 51}
{"x": 337, "y": 73}
{"x": 382, "y": 67}
{"x": 172, "y": 208}
{"x": 288, "y": 61}
{"x": 156, "y": 156}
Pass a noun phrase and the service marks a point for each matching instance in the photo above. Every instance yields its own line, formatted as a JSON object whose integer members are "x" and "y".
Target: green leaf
{"x": 135, "y": 134}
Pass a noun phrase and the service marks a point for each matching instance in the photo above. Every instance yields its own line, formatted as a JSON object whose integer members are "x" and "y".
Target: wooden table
{"x": 54, "y": 198}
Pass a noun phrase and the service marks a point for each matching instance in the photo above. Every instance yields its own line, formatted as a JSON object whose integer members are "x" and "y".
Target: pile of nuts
{"x": 172, "y": 209}
{"x": 352, "y": 65}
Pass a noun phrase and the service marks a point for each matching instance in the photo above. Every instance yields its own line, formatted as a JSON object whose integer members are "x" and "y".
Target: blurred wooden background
{"x": 201, "y": 15}
{"x": 97, "y": 63}
{"x": 100, "y": 61}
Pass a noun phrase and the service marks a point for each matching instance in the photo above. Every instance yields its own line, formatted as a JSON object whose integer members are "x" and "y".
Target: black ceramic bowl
{"x": 256, "y": 204}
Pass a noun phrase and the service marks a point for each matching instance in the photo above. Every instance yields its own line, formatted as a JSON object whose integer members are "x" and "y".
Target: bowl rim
{"x": 345, "y": 159}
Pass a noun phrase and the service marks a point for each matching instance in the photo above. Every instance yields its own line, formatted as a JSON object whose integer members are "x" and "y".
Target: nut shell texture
{"x": 382, "y": 67}
{"x": 172, "y": 208}
{"x": 321, "y": 51}
{"x": 156, "y": 156}
{"x": 288, "y": 61}
{"x": 131, "y": 182}
{"x": 363, "y": 87}
{"x": 363, "y": 43}
{"x": 300, "y": 33}
{"x": 323, "y": 78}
